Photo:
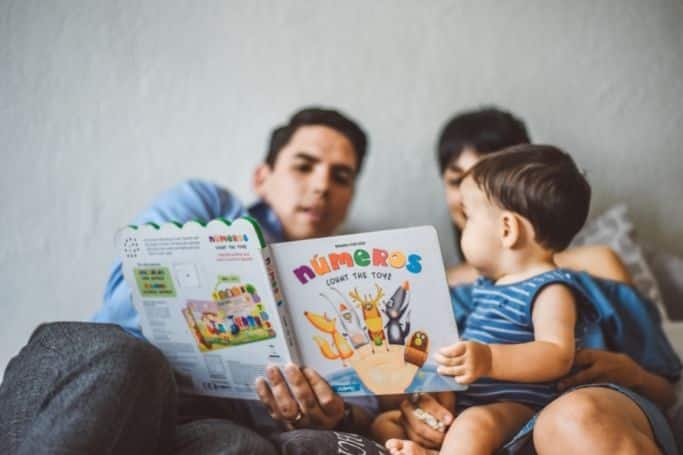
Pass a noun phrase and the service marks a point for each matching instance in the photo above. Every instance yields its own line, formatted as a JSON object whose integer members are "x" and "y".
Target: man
{"x": 94, "y": 388}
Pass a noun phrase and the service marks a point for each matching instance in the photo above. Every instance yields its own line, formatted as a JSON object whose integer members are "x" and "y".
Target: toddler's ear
{"x": 510, "y": 229}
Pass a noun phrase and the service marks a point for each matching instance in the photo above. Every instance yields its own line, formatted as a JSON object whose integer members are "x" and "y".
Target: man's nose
{"x": 322, "y": 179}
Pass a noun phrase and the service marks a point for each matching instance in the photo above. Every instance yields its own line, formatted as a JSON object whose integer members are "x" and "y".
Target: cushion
{"x": 615, "y": 229}
{"x": 668, "y": 268}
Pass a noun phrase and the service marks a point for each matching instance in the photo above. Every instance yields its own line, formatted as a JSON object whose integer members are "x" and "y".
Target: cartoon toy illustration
{"x": 417, "y": 348}
{"x": 371, "y": 315}
{"x": 341, "y": 350}
{"x": 234, "y": 316}
{"x": 199, "y": 338}
{"x": 213, "y": 323}
{"x": 394, "y": 308}
{"x": 355, "y": 342}
{"x": 349, "y": 320}
{"x": 234, "y": 329}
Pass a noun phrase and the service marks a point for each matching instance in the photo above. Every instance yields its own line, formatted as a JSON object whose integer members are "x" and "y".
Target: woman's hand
{"x": 603, "y": 366}
{"x": 307, "y": 402}
{"x": 417, "y": 430}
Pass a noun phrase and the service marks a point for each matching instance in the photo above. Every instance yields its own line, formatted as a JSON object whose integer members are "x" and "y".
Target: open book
{"x": 367, "y": 311}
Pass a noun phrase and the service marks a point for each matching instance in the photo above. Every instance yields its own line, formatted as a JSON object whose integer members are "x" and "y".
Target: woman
{"x": 464, "y": 140}
{"x": 600, "y": 419}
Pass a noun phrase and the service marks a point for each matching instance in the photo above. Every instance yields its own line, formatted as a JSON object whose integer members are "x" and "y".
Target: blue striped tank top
{"x": 501, "y": 314}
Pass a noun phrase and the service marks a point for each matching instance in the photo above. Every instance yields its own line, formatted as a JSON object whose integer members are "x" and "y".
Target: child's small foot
{"x": 405, "y": 447}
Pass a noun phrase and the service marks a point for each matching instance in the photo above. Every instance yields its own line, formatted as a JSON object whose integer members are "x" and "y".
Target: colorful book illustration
{"x": 367, "y": 311}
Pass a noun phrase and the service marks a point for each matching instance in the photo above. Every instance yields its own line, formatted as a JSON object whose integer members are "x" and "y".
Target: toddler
{"x": 521, "y": 206}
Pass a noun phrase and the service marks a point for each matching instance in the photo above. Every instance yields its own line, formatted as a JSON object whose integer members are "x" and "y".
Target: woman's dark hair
{"x": 542, "y": 184}
{"x": 485, "y": 130}
{"x": 309, "y": 116}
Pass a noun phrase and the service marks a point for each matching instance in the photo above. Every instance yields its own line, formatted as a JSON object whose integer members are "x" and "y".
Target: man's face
{"x": 311, "y": 184}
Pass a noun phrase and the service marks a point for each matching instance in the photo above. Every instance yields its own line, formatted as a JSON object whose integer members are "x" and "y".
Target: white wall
{"x": 104, "y": 104}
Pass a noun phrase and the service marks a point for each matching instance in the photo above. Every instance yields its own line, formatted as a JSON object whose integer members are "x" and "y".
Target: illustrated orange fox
{"x": 341, "y": 349}
{"x": 371, "y": 315}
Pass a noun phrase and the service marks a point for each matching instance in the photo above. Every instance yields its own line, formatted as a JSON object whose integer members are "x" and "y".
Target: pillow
{"x": 615, "y": 229}
{"x": 668, "y": 268}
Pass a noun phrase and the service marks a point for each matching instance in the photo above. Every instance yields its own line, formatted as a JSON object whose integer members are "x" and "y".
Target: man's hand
{"x": 417, "y": 430}
{"x": 308, "y": 401}
{"x": 603, "y": 366}
{"x": 467, "y": 361}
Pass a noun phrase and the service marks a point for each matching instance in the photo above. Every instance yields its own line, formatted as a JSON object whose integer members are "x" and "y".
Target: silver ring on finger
{"x": 297, "y": 418}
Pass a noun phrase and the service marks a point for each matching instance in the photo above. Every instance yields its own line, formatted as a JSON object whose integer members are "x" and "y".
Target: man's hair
{"x": 540, "y": 183}
{"x": 311, "y": 116}
{"x": 486, "y": 130}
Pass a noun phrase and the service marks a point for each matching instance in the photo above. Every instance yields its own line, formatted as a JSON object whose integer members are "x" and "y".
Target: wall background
{"x": 105, "y": 104}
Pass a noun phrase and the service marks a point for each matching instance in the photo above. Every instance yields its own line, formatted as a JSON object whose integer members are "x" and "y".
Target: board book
{"x": 367, "y": 311}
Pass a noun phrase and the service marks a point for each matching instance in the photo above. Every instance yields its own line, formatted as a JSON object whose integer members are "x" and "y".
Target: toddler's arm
{"x": 548, "y": 357}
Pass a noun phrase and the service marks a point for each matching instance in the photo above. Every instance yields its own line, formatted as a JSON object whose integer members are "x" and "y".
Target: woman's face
{"x": 452, "y": 178}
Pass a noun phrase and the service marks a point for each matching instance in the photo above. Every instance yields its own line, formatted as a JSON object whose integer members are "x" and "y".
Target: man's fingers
{"x": 303, "y": 393}
{"x": 286, "y": 404}
{"x": 332, "y": 405}
{"x": 266, "y": 396}
{"x": 417, "y": 430}
{"x": 582, "y": 377}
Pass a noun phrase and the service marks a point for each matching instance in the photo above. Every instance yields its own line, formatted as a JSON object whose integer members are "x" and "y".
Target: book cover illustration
{"x": 370, "y": 310}
{"x": 205, "y": 297}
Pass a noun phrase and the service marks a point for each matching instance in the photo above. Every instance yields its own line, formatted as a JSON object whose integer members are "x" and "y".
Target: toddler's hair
{"x": 540, "y": 183}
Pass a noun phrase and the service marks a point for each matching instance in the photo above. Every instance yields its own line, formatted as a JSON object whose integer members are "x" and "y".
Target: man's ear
{"x": 260, "y": 178}
{"x": 510, "y": 229}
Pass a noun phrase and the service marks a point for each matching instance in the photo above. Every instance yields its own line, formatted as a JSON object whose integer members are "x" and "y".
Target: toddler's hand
{"x": 467, "y": 361}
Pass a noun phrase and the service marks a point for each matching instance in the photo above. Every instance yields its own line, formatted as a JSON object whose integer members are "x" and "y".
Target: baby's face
{"x": 481, "y": 232}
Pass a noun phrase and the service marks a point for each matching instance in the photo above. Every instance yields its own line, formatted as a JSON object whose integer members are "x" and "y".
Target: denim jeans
{"x": 92, "y": 388}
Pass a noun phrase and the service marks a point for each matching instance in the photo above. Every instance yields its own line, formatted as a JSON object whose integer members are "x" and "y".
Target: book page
{"x": 205, "y": 300}
{"x": 370, "y": 310}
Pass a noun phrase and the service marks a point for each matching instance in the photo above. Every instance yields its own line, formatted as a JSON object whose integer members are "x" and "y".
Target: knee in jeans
{"x": 51, "y": 330}
{"x": 135, "y": 358}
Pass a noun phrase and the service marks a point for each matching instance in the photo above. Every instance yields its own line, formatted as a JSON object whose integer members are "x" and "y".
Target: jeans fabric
{"x": 79, "y": 388}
